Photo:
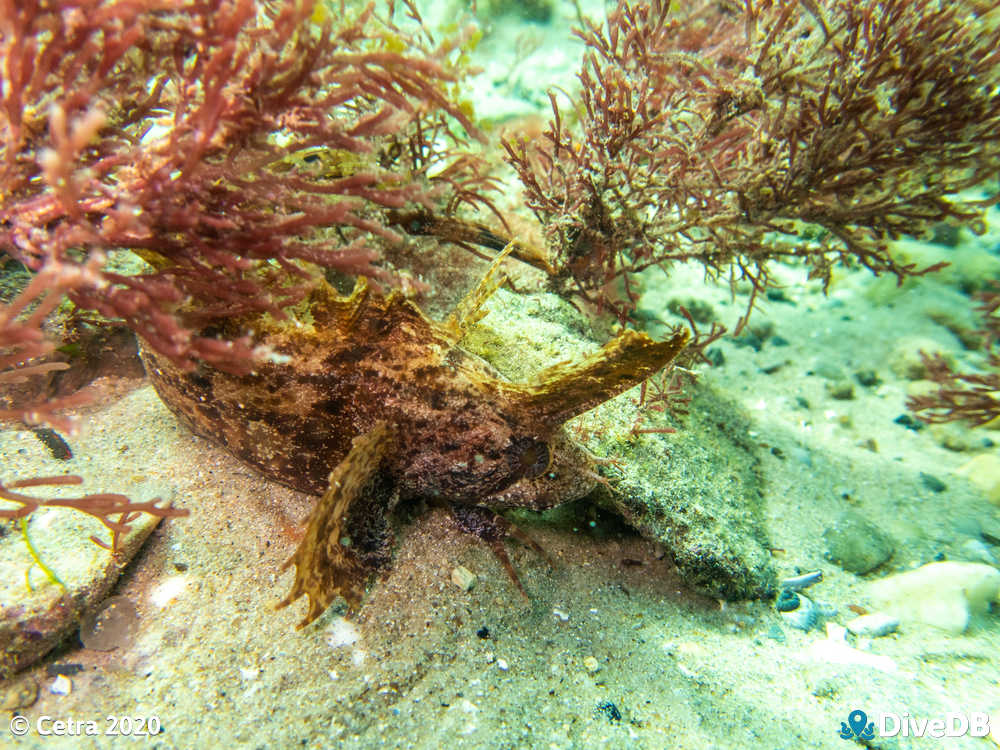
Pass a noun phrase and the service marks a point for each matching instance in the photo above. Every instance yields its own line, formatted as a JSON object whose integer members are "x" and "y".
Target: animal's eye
{"x": 535, "y": 459}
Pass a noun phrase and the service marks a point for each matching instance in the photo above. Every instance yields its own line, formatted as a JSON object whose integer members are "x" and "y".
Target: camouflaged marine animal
{"x": 369, "y": 402}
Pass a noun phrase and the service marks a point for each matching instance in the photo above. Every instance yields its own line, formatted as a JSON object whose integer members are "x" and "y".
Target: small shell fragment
{"x": 802, "y": 617}
{"x": 873, "y": 625}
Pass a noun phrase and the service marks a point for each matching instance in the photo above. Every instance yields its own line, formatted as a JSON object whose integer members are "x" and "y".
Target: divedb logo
{"x": 887, "y": 724}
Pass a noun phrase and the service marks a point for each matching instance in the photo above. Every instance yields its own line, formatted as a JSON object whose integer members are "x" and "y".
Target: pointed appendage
{"x": 566, "y": 390}
{"x": 327, "y": 562}
{"x": 470, "y": 309}
{"x": 493, "y": 528}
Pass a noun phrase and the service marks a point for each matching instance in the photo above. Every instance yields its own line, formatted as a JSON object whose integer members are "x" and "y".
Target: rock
{"x": 698, "y": 491}
{"x": 984, "y": 472}
{"x": 464, "y": 578}
{"x": 932, "y": 483}
{"x": 61, "y": 685}
{"x": 32, "y": 622}
{"x": 704, "y": 503}
{"x": 842, "y": 390}
{"x": 941, "y": 594}
{"x": 905, "y": 360}
{"x": 855, "y": 544}
{"x": 19, "y": 693}
{"x": 873, "y": 625}
{"x": 867, "y": 378}
{"x": 834, "y": 650}
{"x": 954, "y": 437}
{"x": 974, "y": 550}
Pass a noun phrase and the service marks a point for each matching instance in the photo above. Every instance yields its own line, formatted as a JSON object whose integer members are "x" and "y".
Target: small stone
{"x": 502, "y": 665}
{"x": 828, "y": 371}
{"x": 775, "y": 633}
{"x": 944, "y": 595}
{"x": 973, "y": 550}
{"x": 609, "y": 710}
{"x": 842, "y": 390}
{"x": 112, "y": 625}
{"x": 700, "y": 310}
{"x": 464, "y": 578}
{"x": 867, "y": 378}
{"x": 932, "y": 483}
{"x": 873, "y": 625}
{"x": 591, "y": 664}
{"x": 17, "y": 694}
{"x": 910, "y": 422}
{"x": 856, "y": 544}
{"x": 954, "y": 437}
{"x": 984, "y": 472}
{"x": 61, "y": 685}
{"x": 906, "y": 361}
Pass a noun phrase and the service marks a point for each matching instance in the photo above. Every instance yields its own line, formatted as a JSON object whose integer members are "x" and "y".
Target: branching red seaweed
{"x": 115, "y": 511}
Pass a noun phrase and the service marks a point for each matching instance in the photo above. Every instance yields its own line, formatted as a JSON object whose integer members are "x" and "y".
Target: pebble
{"x": 867, "y": 378}
{"x": 984, "y": 472}
{"x": 932, "y": 483}
{"x": 502, "y": 665}
{"x": 905, "y": 360}
{"x": 17, "y": 694}
{"x": 842, "y": 390}
{"x": 61, "y": 685}
{"x": 112, "y": 625}
{"x": 464, "y": 578}
{"x": 591, "y": 664}
{"x": 856, "y": 544}
{"x": 944, "y": 595}
{"x": 973, "y": 550}
{"x": 873, "y": 625}
{"x": 834, "y": 650}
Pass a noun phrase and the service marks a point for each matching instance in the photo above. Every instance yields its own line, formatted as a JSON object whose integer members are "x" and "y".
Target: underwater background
{"x": 785, "y": 547}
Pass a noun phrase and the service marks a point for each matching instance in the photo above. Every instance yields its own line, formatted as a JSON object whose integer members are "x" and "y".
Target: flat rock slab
{"x": 698, "y": 492}
{"x": 37, "y": 614}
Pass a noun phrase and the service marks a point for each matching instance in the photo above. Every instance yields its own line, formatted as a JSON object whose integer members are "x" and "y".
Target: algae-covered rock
{"x": 35, "y": 620}
{"x": 697, "y": 491}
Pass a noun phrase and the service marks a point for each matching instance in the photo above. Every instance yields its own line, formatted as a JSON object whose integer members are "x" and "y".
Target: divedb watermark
{"x": 889, "y": 724}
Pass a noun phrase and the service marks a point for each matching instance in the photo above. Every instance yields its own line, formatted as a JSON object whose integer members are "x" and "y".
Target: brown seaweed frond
{"x": 116, "y": 512}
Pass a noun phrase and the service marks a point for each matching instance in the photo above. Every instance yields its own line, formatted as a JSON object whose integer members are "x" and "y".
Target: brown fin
{"x": 324, "y": 567}
{"x": 568, "y": 389}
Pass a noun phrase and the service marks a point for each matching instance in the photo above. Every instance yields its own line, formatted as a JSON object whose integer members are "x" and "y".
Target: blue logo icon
{"x": 857, "y": 726}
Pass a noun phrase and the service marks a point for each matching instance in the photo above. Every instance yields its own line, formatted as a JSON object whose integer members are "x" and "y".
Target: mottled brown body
{"x": 424, "y": 416}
